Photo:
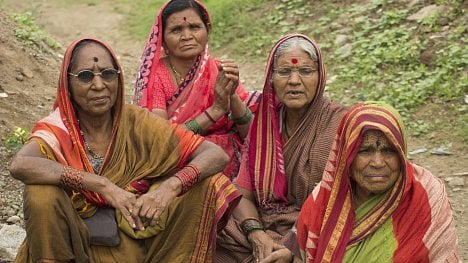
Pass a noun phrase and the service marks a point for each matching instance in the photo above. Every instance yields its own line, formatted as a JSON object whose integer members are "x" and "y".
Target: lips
{"x": 99, "y": 99}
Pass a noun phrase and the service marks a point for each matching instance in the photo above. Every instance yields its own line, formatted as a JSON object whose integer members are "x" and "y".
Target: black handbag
{"x": 102, "y": 227}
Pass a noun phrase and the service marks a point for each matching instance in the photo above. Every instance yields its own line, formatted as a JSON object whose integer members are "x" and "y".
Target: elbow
{"x": 15, "y": 168}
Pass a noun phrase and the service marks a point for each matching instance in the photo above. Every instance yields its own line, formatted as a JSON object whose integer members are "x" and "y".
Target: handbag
{"x": 102, "y": 227}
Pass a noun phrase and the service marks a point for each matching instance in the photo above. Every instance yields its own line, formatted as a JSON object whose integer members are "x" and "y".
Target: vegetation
{"x": 14, "y": 140}
{"x": 32, "y": 34}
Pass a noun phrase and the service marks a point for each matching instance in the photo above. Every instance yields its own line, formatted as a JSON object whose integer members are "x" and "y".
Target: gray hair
{"x": 295, "y": 43}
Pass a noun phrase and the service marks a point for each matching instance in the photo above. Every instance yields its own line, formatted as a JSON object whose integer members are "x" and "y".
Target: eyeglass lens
{"x": 108, "y": 74}
{"x": 303, "y": 71}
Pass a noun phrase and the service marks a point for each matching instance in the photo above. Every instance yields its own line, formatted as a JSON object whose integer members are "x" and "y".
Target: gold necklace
{"x": 177, "y": 74}
{"x": 90, "y": 151}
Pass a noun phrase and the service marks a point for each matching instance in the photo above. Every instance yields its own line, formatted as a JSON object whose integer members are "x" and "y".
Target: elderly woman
{"x": 179, "y": 80}
{"x": 108, "y": 182}
{"x": 283, "y": 159}
{"x": 373, "y": 205}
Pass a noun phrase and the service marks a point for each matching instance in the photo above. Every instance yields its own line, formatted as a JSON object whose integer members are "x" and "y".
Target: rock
{"x": 345, "y": 50}
{"x": 13, "y": 219}
{"x": 340, "y": 39}
{"x": 3, "y": 95}
{"x": 455, "y": 181}
{"x": 427, "y": 57}
{"x": 19, "y": 77}
{"x": 11, "y": 212}
{"x": 11, "y": 237}
{"x": 413, "y": 3}
{"x": 27, "y": 73}
{"x": 425, "y": 12}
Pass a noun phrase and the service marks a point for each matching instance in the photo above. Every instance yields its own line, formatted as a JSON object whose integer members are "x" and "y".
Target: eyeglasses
{"x": 285, "y": 72}
{"x": 86, "y": 76}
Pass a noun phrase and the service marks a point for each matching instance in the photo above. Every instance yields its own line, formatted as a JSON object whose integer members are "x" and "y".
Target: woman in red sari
{"x": 109, "y": 182}
{"x": 179, "y": 80}
{"x": 373, "y": 204}
{"x": 283, "y": 158}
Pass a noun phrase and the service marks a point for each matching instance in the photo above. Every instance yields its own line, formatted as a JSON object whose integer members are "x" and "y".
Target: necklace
{"x": 95, "y": 159}
{"x": 177, "y": 74}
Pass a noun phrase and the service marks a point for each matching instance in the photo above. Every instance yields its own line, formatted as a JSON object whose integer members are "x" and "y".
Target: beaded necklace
{"x": 95, "y": 159}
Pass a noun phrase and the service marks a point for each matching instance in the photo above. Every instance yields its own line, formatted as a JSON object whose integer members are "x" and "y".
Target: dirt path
{"x": 104, "y": 20}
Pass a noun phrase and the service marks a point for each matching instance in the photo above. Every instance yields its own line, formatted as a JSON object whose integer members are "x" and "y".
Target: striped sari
{"x": 411, "y": 222}
{"x": 279, "y": 173}
{"x": 144, "y": 151}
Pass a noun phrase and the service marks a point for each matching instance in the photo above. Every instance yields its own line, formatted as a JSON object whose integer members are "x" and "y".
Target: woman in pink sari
{"x": 179, "y": 80}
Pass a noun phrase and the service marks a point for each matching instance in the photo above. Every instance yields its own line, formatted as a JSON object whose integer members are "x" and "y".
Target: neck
{"x": 181, "y": 66}
{"x": 292, "y": 120}
{"x": 96, "y": 128}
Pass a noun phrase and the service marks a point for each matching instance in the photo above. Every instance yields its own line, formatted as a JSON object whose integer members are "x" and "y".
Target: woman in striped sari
{"x": 373, "y": 204}
{"x": 284, "y": 155}
{"x": 109, "y": 182}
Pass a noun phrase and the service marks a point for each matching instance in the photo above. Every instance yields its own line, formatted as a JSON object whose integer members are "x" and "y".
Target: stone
{"x": 455, "y": 181}
{"x": 11, "y": 237}
{"x": 27, "y": 73}
{"x": 13, "y": 219}
{"x": 425, "y": 12}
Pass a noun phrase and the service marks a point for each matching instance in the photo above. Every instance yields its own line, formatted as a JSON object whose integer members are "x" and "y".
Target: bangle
{"x": 251, "y": 224}
{"x": 188, "y": 176}
{"x": 244, "y": 119}
{"x": 209, "y": 117}
{"x": 72, "y": 178}
{"x": 194, "y": 126}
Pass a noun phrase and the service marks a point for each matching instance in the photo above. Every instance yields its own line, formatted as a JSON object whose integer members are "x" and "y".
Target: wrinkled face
{"x": 185, "y": 35}
{"x": 296, "y": 91}
{"x": 376, "y": 166}
{"x": 97, "y": 97}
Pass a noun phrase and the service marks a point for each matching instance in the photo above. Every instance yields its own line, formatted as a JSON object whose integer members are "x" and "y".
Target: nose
{"x": 98, "y": 82}
{"x": 377, "y": 159}
{"x": 186, "y": 34}
{"x": 295, "y": 78}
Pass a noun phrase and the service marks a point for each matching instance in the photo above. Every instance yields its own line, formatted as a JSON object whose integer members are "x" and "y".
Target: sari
{"x": 154, "y": 89}
{"x": 135, "y": 162}
{"x": 410, "y": 222}
{"x": 281, "y": 174}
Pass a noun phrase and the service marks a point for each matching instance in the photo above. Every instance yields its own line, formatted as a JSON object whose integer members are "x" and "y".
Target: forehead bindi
{"x": 188, "y": 16}
{"x": 295, "y": 58}
{"x": 93, "y": 55}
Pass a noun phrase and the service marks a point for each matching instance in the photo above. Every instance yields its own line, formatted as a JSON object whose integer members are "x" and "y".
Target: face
{"x": 376, "y": 166}
{"x": 185, "y": 35}
{"x": 97, "y": 97}
{"x": 295, "y": 92}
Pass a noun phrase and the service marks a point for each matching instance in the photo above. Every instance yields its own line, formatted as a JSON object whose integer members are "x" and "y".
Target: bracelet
{"x": 251, "y": 224}
{"x": 72, "y": 178}
{"x": 194, "y": 126}
{"x": 209, "y": 117}
{"x": 244, "y": 119}
{"x": 188, "y": 176}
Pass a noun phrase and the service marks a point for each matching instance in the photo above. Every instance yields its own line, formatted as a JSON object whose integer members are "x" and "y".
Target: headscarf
{"x": 327, "y": 225}
{"x": 263, "y": 162}
{"x": 129, "y": 161}
{"x": 195, "y": 94}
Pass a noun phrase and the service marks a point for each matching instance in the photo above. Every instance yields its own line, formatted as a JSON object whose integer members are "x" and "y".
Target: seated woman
{"x": 179, "y": 80}
{"x": 373, "y": 204}
{"x": 283, "y": 160}
{"x": 108, "y": 182}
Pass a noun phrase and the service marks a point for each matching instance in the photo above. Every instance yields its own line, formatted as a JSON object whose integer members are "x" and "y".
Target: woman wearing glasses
{"x": 285, "y": 154}
{"x": 181, "y": 81}
{"x": 108, "y": 182}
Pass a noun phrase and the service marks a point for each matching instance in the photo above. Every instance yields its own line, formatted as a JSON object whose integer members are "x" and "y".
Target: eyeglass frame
{"x": 295, "y": 69}
{"x": 95, "y": 74}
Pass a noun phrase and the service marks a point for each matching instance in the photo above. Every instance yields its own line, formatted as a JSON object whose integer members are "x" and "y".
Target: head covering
{"x": 327, "y": 225}
{"x": 264, "y": 159}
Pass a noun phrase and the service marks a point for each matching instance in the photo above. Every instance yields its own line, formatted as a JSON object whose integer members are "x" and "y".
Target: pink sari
{"x": 154, "y": 89}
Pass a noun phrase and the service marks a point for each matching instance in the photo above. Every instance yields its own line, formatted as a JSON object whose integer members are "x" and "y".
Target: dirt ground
{"x": 29, "y": 79}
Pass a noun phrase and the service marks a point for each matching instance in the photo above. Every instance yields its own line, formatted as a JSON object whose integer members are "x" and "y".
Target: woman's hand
{"x": 231, "y": 71}
{"x": 151, "y": 205}
{"x": 225, "y": 85}
{"x": 120, "y": 199}
{"x": 262, "y": 244}
{"x": 282, "y": 255}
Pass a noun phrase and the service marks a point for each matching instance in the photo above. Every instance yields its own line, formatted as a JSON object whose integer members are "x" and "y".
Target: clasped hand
{"x": 226, "y": 84}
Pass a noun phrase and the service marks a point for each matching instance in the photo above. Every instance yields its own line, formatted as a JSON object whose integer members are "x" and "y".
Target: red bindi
{"x": 294, "y": 61}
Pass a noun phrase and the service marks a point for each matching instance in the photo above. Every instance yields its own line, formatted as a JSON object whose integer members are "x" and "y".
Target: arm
{"x": 31, "y": 167}
{"x": 262, "y": 243}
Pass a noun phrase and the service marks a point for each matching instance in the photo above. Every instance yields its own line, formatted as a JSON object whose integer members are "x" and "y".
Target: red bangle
{"x": 209, "y": 117}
